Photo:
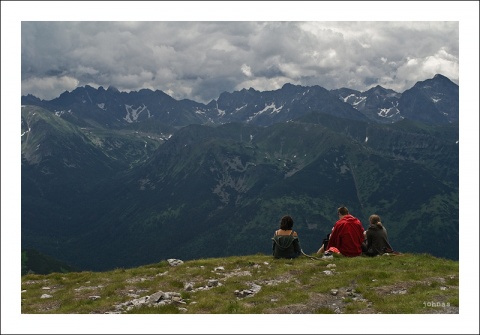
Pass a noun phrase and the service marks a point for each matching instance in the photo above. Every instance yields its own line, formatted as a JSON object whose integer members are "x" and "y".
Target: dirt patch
{"x": 335, "y": 301}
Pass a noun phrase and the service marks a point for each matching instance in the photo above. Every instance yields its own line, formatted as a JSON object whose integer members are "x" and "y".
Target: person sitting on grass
{"x": 285, "y": 240}
{"x": 347, "y": 235}
{"x": 376, "y": 238}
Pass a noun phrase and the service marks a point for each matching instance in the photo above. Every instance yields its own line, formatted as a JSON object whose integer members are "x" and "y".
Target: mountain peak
{"x": 437, "y": 79}
{"x": 439, "y": 76}
{"x": 112, "y": 89}
{"x": 377, "y": 89}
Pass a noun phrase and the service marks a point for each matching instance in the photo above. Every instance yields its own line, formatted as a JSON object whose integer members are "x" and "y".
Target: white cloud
{"x": 199, "y": 60}
{"x": 265, "y": 84}
{"x": 48, "y": 87}
{"x": 440, "y": 62}
{"x": 246, "y": 70}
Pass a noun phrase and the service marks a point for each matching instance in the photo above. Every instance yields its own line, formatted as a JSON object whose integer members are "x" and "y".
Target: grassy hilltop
{"x": 256, "y": 284}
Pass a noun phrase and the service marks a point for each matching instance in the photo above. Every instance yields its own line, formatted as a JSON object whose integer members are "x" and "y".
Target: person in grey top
{"x": 376, "y": 238}
{"x": 285, "y": 240}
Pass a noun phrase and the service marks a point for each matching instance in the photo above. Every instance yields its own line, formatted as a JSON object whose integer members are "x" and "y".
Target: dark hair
{"x": 374, "y": 219}
{"x": 342, "y": 210}
{"x": 286, "y": 223}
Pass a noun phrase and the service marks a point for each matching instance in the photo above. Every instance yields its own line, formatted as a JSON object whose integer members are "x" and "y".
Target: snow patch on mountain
{"x": 134, "y": 113}
{"x": 272, "y": 108}
{"x": 348, "y": 96}
{"x": 60, "y": 113}
{"x": 384, "y": 112}
{"x": 359, "y": 101}
{"x": 240, "y": 108}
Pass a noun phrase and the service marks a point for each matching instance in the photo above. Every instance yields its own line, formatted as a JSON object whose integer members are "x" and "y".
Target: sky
{"x": 198, "y": 60}
{"x": 197, "y": 50}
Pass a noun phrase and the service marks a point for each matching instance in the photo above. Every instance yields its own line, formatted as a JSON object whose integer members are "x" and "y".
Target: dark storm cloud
{"x": 199, "y": 60}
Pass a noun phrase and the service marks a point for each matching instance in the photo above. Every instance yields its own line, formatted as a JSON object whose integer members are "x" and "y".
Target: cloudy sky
{"x": 199, "y": 49}
{"x": 199, "y": 60}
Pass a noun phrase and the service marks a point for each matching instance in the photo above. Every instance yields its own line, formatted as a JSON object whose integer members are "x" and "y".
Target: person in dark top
{"x": 347, "y": 234}
{"x": 376, "y": 241}
{"x": 285, "y": 240}
{"x": 323, "y": 248}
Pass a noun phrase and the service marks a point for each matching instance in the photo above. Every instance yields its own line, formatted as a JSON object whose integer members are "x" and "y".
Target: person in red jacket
{"x": 347, "y": 234}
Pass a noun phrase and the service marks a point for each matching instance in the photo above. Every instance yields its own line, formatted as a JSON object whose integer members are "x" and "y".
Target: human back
{"x": 347, "y": 234}
{"x": 285, "y": 240}
{"x": 376, "y": 238}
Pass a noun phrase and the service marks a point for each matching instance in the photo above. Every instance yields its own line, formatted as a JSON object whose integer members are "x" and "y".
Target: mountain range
{"x": 115, "y": 179}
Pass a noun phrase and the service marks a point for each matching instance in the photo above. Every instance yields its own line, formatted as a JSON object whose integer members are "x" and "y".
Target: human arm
{"x": 369, "y": 246}
{"x": 273, "y": 246}
{"x": 296, "y": 246}
{"x": 334, "y": 238}
{"x": 321, "y": 250}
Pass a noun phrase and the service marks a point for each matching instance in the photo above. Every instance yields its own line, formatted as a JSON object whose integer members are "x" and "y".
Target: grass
{"x": 406, "y": 284}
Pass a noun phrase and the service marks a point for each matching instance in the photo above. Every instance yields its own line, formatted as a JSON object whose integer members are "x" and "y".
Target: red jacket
{"x": 347, "y": 236}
